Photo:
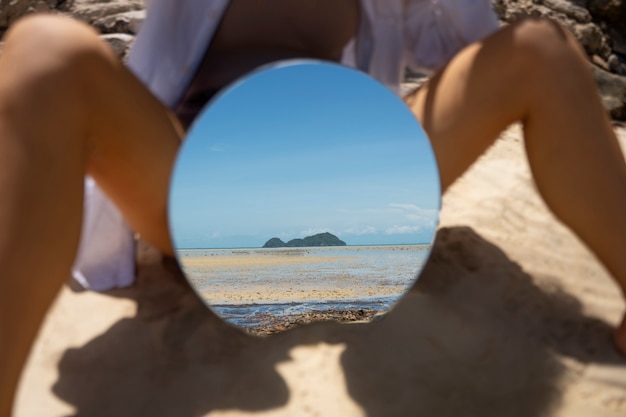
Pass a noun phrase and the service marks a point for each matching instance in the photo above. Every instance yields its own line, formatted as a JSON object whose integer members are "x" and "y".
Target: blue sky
{"x": 302, "y": 149}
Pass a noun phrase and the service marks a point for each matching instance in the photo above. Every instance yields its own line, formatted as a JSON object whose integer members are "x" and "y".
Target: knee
{"x": 44, "y": 44}
{"x": 542, "y": 46}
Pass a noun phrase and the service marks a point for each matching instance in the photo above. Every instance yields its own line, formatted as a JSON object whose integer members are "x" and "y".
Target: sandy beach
{"x": 295, "y": 292}
{"x": 245, "y": 259}
{"x": 293, "y": 275}
{"x": 511, "y": 317}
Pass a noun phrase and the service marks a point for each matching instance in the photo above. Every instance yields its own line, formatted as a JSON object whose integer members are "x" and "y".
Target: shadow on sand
{"x": 475, "y": 336}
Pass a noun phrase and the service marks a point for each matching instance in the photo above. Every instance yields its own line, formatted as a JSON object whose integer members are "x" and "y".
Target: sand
{"x": 257, "y": 261}
{"x": 297, "y": 288}
{"x": 511, "y": 317}
{"x": 278, "y": 276}
{"x": 294, "y": 293}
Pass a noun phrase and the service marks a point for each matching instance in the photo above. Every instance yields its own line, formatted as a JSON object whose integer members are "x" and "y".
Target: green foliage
{"x": 274, "y": 243}
{"x": 320, "y": 239}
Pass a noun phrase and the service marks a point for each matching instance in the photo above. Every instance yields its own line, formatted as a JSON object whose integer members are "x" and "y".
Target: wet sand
{"x": 294, "y": 292}
{"x": 297, "y": 275}
{"x": 245, "y": 259}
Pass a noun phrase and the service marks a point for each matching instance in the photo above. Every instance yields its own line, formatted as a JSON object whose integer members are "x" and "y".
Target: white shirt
{"x": 393, "y": 34}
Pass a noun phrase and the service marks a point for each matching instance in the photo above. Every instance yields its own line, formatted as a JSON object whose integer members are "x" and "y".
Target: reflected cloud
{"x": 403, "y": 230}
{"x": 368, "y": 230}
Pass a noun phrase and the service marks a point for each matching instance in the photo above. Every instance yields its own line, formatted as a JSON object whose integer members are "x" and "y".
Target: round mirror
{"x": 305, "y": 191}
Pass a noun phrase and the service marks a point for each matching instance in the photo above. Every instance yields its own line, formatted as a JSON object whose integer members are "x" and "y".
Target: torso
{"x": 256, "y": 32}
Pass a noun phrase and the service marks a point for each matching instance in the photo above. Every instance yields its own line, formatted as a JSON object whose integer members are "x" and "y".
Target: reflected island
{"x": 320, "y": 239}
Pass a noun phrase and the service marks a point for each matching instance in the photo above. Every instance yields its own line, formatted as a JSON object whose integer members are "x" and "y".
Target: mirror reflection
{"x": 305, "y": 191}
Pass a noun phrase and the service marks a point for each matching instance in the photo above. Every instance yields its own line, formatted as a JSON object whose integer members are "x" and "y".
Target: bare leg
{"x": 535, "y": 72}
{"x": 67, "y": 107}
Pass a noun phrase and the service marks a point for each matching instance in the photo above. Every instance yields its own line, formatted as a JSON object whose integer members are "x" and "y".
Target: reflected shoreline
{"x": 336, "y": 198}
{"x": 267, "y": 288}
{"x": 182, "y": 251}
{"x": 265, "y": 318}
{"x": 277, "y": 276}
{"x": 271, "y": 324}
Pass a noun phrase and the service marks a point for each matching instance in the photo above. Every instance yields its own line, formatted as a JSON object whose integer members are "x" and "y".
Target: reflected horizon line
{"x": 309, "y": 247}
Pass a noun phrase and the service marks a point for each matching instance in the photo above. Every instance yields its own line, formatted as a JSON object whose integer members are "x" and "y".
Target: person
{"x": 70, "y": 108}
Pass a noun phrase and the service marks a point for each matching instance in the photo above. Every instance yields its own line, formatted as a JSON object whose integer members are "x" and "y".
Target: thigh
{"x": 68, "y": 107}
{"x": 132, "y": 150}
{"x": 132, "y": 153}
{"x": 483, "y": 89}
{"x": 87, "y": 102}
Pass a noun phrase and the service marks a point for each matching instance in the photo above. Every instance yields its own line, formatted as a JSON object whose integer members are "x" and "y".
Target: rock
{"x": 578, "y": 13}
{"x": 127, "y": 22}
{"x": 120, "y": 42}
{"x": 600, "y": 62}
{"x": 609, "y": 10}
{"x": 592, "y": 39}
{"x": 612, "y": 89}
{"x": 599, "y": 26}
{"x": 618, "y": 40}
{"x": 92, "y": 10}
{"x": 616, "y": 65}
{"x": 11, "y": 10}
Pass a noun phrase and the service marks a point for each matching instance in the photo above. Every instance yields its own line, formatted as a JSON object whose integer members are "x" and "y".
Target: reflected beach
{"x": 325, "y": 210}
{"x": 244, "y": 285}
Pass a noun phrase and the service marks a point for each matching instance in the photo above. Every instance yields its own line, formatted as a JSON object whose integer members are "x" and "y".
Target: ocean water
{"x": 244, "y": 286}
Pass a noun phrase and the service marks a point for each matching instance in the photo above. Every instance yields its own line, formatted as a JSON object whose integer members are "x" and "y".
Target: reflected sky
{"x": 301, "y": 149}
